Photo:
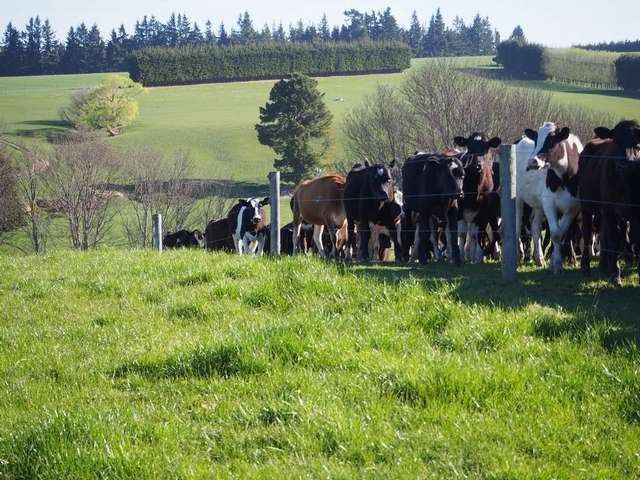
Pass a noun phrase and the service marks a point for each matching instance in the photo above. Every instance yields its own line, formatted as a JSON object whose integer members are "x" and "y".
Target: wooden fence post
{"x": 274, "y": 196}
{"x": 156, "y": 221}
{"x": 508, "y": 211}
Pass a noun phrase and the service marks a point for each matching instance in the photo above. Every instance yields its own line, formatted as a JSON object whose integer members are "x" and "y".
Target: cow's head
{"x": 252, "y": 212}
{"x": 379, "y": 181}
{"x": 550, "y": 148}
{"x": 626, "y": 135}
{"x": 477, "y": 148}
{"x": 198, "y": 239}
{"x": 446, "y": 175}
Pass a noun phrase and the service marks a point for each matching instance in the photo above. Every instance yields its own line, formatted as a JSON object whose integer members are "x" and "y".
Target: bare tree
{"x": 31, "y": 185}
{"x": 82, "y": 167}
{"x": 438, "y": 102}
{"x": 158, "y": 187}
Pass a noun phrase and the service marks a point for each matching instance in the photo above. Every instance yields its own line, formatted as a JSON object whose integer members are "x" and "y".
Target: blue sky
{"x": 557, "y": 23}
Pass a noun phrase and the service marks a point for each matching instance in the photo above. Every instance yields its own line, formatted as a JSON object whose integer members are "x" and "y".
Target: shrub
{"x": 202, "y": 64}
{"x": 628, "y": 72}
{"x": 521, "y": 58}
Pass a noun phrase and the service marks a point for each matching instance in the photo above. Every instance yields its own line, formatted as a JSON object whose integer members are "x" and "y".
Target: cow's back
{"x": 218, "y": 235}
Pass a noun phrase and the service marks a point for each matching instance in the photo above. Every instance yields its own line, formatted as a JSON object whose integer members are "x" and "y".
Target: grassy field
{"x": 190, "y": 365}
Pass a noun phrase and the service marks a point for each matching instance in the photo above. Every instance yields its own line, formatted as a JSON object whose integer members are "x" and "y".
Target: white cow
{"x": 547, "y": 164}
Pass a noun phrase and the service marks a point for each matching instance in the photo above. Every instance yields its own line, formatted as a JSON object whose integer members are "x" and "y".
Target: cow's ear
{"x": 563, "y": 135}
{"x": 495, "y": 142}
{"x": 460, "y": 141}
{"x": 265, "y": 201}
{"x": 393, "y": 163}
{"x": 531, "y": 134}
{"x": 603, "y": 133}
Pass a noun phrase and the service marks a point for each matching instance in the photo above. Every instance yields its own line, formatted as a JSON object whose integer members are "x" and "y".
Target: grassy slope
{"x": 193, "y": 364}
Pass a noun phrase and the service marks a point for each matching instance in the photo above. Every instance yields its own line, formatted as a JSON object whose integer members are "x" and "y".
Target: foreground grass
{"x": 188, "y": 365}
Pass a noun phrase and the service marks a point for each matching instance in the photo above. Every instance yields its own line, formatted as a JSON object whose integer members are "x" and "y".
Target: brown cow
{"x": 609, "y": 179}
{"x": 319, "y": 203}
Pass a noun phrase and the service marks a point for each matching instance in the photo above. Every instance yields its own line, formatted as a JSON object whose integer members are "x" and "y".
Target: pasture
{"x": 192, "y": 365}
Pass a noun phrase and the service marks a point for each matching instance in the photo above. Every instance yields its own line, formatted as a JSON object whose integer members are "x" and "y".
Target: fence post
{"x": 156, "y": 221}
{"x": 508, "y": 211}
{"x": 274, "y": 196}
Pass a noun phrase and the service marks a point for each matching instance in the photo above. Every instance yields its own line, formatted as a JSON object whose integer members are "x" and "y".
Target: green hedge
{"x": 574, "y": 65}
{"x": 185, "y": 65}
{"x": 628, "y": 72}
{"x": 521, "y": 58}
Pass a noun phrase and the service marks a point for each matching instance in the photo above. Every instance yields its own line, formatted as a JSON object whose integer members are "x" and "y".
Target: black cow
{"x": 218, "y": 236}
{"x": 184, "y": 239}
{"x": 480, "y": 205}
{"x": 246, "y": 219}
{"x": 367, "y": 188}
{"x": 608, "y": 185}
{"x": 432, "y": 186}
{"x": 386, "y": 229}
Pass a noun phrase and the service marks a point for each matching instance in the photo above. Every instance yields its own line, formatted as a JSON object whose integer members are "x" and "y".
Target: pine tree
{"x": 279, "y": 35}
{"x": 246, "y": 33}
{"x": 50, "y": 53}
{"x": 323, "y": 29}
{"x": 70, "y": 62}
{"x": 223, "y": 37}
{"x": 94, "y": 50}
{"x": 12, "y": 52}
{"x": 518, "y": 34}
{"x": 356, "y": 28}
{"x": 415, "y": 34}
{"x": 184, "y": 29}
{"x": 388, "y": 26}
{"x": 265, "y": 35}
{"x": 209, "y": 36}
{"x": 33, "y": 47}
{"x": 171, "y": 31}
{"x": 434, "y": 43}
{"x": 195, "y": 36}
{"x": 294, "y": 120}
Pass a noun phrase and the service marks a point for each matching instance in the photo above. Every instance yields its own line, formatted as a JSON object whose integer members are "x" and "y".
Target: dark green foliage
{"x": 173, "y": 66}
{"x": 520, "y": 58}
{"x": 294, "y": 116}
{"x": 11, "y": 209}
{"x": 628, "y": 72}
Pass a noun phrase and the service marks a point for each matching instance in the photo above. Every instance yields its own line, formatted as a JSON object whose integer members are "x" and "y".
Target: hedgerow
{"x": 203, "y": 64}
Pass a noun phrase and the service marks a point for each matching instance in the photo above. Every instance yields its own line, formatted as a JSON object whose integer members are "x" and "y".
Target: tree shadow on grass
{"x": 53, "y": 131}
{"x": 590, "y": 303}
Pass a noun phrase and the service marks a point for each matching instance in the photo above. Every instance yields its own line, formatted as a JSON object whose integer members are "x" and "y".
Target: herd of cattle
{"x": 573, "y": 199}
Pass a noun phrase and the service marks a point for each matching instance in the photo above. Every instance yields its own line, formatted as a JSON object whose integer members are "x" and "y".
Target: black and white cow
{"x": 367, "y": 189}
{"x": 480, "y": 205}
{"x": 432, "y": 186}
{"x": 246, "y": 220}
{"x": 184, "y": 239}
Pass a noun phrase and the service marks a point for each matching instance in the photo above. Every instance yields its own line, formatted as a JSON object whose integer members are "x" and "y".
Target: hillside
{"x": 191, "y": 365}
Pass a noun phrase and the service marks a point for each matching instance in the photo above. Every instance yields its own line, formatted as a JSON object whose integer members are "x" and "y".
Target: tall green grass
{"x": 188, "y": 365}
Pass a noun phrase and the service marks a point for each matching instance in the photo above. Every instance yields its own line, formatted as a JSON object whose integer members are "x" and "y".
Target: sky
{"x": 559, "y": 23}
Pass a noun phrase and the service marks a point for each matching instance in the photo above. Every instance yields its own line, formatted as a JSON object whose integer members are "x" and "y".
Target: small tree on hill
{"x": 111, "y": 106}
{"x": 295, "y": 123}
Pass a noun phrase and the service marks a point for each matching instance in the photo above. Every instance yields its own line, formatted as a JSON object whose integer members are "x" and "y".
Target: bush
{"x": 574, "y": 65}
{"x": 520, "y": 58}
{"x": 628, "y": 72}
{"x": 202, "y": 64}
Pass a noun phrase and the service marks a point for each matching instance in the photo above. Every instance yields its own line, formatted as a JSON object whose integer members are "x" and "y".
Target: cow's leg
{"x": 351, "y": 239}
{"x": 297, "y": 227}
{"x": 495, "y": 237}
{"x": 462, "y": 238}
{"x": 559, "y": 229}
{"x": 364, "y": 235}
{"x": 478, "y": 255}
{"x": 318, "y": 230}
{"x": 519, "y": 213}
{"x": 237, "y": 243}
{"x": 423, "y": 234}
{"x": 416, "y": 243}
{"x": 433, "y": 238}
{"x": 536, "y": 234}
{"x": 396, "y": 238}
{"x": 452, "y": 226}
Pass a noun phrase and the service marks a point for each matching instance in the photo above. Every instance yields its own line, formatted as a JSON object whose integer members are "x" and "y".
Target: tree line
{"x": 625, "y": 46}
{"x": 36, "y": 50}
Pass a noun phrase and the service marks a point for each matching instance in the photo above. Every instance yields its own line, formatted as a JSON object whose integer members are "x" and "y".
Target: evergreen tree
{"x": 518, "y": 34}
{"x": 435, "y": 43}
{"x": 156, "y": 33}
{"x": 294, "y": 120}
{"x": 246, "y": 33}
{"x": 70, "y": 62}
{"x": 171, "y": 31}
{"x": 323, "y": 29}
{"x": 195, "y": 36}
{"x": 389, "y": 29}
{"x": 12, "y": 52}
{"x": 265, "y": 35}
{"x": 50, "y": 49}
{"x": 94, "y": 50}
{"x": 209, "y": 36}
{"x": 356, "y": 27}
{"x": 33, "y": 47}
{"x": 279, "y": 35}
{"x": 184, "y": 29}
{"x": 415, "y": 34}
{"x": 223, "y": 37}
